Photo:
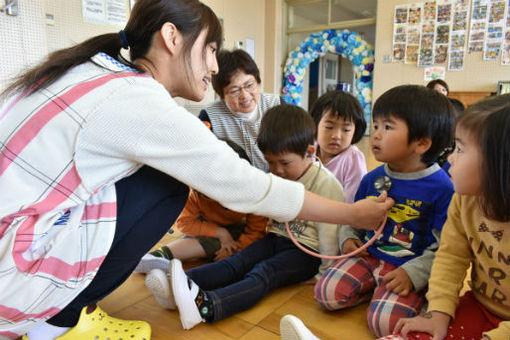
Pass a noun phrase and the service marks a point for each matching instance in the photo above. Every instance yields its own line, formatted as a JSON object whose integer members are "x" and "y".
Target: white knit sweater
{"x": 62, "y": 149}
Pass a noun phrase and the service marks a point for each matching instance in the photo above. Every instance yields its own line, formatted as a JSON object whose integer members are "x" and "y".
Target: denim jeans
{"x": 240, "y": 281}
{"x": 148, "y": 203}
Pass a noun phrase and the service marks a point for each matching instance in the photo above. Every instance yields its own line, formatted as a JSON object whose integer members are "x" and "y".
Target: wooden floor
{"x": 133, "y": 301}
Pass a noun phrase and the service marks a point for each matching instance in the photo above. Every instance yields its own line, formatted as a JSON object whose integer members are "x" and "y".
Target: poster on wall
{"x": 414, "y": 20}
{"x": 400, "y": 33}
{"x": 434, "y": 72}
{"x": 116, "y": 12}
{"x": 479, "y": 14}
{"x": 495, "y": 30}
{"x": 443, "y": 31}
{"x": 505, "y": 56}
{"x": 94, "y": 11}
{"x": 105, "y": 12}
{"x": 505, "y": 53}
{"x": 458, "y": 36}
{"x": 428, "y": 34}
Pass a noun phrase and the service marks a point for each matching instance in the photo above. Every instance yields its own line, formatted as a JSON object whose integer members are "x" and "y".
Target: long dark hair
{"x": 488, "y": 123}
{"x": 147, "y": 17}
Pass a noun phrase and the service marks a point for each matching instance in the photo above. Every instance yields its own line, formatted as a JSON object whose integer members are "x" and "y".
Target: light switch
{"x": 50, "y": 19}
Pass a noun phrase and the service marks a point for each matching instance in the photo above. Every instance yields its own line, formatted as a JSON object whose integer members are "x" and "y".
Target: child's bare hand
{"x": 228, "y": 245}
{"x": 398, "y": 282}
{"x": 369, "y": 213}
{"x": 434, "y": 323}
{"x": 352, "y": 244}
{"x": 226, "y": 250}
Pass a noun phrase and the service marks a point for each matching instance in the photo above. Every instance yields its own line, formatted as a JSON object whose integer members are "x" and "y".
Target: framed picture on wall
{"x": 503, "y": 87}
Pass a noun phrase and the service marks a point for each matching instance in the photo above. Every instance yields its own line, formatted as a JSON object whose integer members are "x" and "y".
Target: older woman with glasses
{"x": 237, "y": 114}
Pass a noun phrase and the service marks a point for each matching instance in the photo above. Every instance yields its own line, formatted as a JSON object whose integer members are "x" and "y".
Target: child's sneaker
{"x": 291, "y": 328}
{"x": 185, "y": 291}
{"x": 157, "y": 282}
{"x": 159, "y": 258}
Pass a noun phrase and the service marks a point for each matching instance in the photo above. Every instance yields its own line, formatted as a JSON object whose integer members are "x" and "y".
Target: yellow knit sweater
{"x": 470, "y": 238}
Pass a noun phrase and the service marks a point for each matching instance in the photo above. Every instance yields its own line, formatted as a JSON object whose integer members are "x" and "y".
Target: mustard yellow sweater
{"x": 470, "y": 238}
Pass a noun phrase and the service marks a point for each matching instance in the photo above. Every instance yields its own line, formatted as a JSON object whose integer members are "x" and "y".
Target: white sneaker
{"x": 291, "y": 328}
{"x": 184, "y": 295}
{"x": 157, "y": 282}
{"x": 150, "y": 262}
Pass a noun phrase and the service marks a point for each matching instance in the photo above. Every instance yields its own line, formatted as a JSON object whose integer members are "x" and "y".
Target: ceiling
{"x": 316, "y": 12}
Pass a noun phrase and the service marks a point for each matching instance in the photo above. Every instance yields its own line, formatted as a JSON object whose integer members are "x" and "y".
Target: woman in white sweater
{"x": 95, "y": 160}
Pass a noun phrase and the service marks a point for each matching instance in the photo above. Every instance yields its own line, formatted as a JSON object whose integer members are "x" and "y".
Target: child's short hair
{"x": 488, "y": 123}
{"x": 426, "y": 112}
{"x": 458, "y": 106}
{"x": 286, "y": 128}
{"x": 341, "y": 104}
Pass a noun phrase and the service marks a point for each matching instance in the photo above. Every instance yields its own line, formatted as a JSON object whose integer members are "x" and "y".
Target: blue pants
{"x": 148, "y": 203}
{"x": 240, "y": 281}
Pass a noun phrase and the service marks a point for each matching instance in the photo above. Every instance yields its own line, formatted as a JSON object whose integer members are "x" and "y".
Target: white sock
{"x": 45, "y": 331}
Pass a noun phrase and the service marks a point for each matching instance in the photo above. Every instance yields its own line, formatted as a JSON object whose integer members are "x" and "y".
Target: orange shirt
{"x": 202, "y": 216}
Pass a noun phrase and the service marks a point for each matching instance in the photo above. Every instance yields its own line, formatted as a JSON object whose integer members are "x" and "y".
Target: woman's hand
{"x": 398, "y": 282}
{"x": 434, "y": 323}
{"x": 352, "y": 244}
{"x": 369, "y": 213}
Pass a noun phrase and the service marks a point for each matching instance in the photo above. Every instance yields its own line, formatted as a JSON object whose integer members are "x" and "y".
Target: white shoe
{"x": 150, "y": 262}
{"x": 291, "y": 328}
{"x": 157, "y": 282}
{"x": 184, "y": 295}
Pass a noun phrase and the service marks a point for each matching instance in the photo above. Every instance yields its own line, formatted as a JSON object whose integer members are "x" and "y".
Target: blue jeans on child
{"x": 240, "y": 281}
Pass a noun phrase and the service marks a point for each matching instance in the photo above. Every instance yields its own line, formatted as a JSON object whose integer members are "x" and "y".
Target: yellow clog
{"x": 100, "y": 326}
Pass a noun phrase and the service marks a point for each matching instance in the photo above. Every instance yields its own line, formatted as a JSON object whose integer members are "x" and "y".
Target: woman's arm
{"x": 365, "y": 214}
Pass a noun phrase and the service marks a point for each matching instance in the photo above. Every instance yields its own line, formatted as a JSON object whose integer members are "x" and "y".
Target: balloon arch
{"x": 349, "y": 45}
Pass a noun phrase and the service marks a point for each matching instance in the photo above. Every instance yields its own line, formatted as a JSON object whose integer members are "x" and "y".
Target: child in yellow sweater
{"x": 476, "y": 233}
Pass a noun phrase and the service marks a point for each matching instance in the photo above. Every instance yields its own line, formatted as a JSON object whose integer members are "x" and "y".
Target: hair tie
{"x": 125, "y": 43}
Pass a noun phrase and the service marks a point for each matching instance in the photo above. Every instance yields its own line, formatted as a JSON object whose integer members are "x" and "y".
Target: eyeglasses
{"x": 236, "y": 90}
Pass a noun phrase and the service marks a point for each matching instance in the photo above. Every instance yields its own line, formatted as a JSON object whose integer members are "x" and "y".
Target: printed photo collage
{"x": 436, "y": 32}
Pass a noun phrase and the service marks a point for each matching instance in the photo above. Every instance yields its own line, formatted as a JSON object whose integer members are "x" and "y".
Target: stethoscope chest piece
{"x": 382, "y": 183}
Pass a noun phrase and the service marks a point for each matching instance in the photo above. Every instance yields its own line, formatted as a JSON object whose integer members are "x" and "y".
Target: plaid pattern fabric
{"x": 355, "y": 280}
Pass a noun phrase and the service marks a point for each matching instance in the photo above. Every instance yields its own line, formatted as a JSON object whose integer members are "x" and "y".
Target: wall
{"x": 273, "y": 49}
{"x": 26, "y": 39}
{"x": 241, "y": 19}
{"x": 478, "y": 75}
{"x": 23, "y": 40}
